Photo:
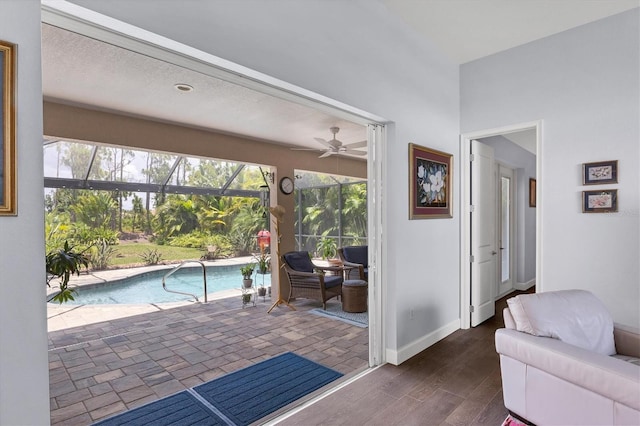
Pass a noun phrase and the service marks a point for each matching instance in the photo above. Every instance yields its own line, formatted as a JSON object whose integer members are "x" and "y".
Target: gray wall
{"x": 524, "y": 164}
{"x": 584, "y": 85}
{"x": 24, "y": 384}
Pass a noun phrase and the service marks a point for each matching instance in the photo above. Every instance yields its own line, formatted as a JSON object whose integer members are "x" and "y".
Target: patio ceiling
{"x": 84, "y": 72}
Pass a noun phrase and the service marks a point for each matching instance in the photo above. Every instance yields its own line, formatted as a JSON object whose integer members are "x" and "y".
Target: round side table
{"x": 354, "y": 296}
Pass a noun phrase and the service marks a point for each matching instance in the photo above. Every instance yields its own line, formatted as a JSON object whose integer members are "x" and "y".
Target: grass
{"x": 129, "y": 253}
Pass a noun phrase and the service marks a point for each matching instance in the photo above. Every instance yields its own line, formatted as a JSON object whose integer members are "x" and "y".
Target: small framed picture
{"x": 600, "y": 173}
{"x": 532, "y": 192}
{"x": 602, "y": 201}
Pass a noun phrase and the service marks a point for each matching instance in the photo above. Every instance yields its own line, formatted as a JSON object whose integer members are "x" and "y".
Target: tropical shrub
{"x": 62, "y": 263}
{"x": 193, "y": 239}
{"x": 151, "y": 256}
{"x": 57, "y": 231}
{"x": 175, "y": 216}
{"x": 96, "y": 209}
{"x": 86, "y": 235}
{"x": 242, "y": 243}
{"x": 199, "y": 239}
{"x": 101, "y": 254}
{"x": 225, "y": 248}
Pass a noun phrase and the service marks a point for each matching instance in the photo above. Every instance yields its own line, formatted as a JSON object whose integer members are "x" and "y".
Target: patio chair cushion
{"x": 356, "y": 254}
{"x": 299, "y": 261}
{"x": 331, "y": 281}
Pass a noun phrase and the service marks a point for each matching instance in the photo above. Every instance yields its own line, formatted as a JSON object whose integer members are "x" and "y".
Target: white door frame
{"x": 513, "y": 235}
{"x": 100, "y": 27}
{"x": 465, "y": 197}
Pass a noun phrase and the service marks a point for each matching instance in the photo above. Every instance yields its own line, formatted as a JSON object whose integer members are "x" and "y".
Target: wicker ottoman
{"x": 354, "y": 296}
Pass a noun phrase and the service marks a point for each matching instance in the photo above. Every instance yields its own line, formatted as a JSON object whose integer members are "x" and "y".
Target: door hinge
{"x": 472, "y": 208}
{"x": 471, "y": 309}
{"x": 472, "y": 259}
{"x": 472, "y": 157}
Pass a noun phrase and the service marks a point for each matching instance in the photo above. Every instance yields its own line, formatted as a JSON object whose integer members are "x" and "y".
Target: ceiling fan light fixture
{"x": 183, "y": 87}
{"x": 334, "y": 146}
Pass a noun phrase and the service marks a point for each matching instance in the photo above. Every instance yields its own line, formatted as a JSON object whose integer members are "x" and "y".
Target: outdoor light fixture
{"x": 270, "y": 176}
{"x": 264, "y": 196}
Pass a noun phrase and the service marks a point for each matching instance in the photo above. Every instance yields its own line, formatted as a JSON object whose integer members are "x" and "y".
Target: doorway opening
{"x": 500, "y": 229}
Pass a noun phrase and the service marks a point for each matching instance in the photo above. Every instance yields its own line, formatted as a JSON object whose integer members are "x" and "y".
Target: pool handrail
{"x": 204, "y": 279}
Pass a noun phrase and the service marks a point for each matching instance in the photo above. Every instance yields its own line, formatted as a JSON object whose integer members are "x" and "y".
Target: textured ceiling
{"x": 83, "y": 71}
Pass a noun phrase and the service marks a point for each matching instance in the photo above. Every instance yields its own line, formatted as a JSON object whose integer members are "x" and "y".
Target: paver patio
{"x": 97, "y": 370}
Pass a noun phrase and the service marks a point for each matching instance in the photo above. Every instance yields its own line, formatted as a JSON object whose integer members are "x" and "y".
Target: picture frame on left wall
{"x": 8, "y": 188}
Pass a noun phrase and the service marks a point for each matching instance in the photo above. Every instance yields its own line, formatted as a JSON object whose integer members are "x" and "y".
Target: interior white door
{"x": 483, "y": 233}
{"x": 506, "y": 229}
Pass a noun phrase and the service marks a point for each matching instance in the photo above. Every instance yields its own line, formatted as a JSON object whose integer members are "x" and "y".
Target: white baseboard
{"x": 417, "y": 346}
{"x": 525, "y": 286}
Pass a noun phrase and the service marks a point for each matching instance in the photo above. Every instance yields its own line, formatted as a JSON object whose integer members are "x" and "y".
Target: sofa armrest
{"x": 627, "y": 340}
{"x": 602, "y": 374}
{"x": 509, "y": 322}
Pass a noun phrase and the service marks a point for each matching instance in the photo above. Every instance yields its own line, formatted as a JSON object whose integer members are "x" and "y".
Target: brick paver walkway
{"x": 98, "y": 370}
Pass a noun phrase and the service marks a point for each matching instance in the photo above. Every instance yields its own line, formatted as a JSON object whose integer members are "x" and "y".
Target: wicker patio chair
{"x": 309, "y": 281}
{"x": 356, "y": 262}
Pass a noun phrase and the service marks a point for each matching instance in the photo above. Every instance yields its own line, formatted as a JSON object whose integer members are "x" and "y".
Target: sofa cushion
{"x": 576, "y": 317}
{"x": 627, "y": 358}
{"x": 356, "y": 254}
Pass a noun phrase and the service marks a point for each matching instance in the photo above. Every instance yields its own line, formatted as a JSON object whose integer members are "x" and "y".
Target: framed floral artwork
{"x": 430, "y": 183}
{"x": 600, "y": 173}
{"x": 602, "y": 201}
{"x": 7, "y": 129}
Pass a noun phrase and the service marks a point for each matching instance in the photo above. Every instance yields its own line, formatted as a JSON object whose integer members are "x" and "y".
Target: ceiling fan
{"x": 334, "y": 146}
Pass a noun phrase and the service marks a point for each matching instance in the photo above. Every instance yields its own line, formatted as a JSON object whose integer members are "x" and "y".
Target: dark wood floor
{"x": 454, "y": 382}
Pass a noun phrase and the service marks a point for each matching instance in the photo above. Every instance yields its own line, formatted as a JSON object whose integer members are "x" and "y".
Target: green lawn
{"x": 129, "y": 253}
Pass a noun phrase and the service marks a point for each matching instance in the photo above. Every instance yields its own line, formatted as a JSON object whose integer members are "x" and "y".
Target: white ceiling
{"x": 526, "y": 139}
{"x": 86, "y": 72}
{"x": 466, "y": 30}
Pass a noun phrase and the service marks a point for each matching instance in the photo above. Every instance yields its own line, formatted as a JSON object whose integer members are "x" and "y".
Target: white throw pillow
{"x": 576, "y": 317}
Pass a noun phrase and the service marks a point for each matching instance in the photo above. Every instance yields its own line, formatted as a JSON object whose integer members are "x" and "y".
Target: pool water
{"x": 147, "y": 287}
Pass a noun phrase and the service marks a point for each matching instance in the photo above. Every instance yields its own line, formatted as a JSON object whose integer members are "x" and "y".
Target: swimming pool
{"x": 147, "y": 287}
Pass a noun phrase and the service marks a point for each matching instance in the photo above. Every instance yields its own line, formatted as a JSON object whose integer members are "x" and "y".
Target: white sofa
{"x": 563, "y": 362}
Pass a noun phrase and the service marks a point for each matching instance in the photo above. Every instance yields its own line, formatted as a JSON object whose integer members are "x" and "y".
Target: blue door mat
{"x": 238, "y": 398}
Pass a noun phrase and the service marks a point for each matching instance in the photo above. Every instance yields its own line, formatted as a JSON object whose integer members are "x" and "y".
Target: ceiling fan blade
{"x": 354, "y": 152}
{"x": 305, "y": 149}
{"x": 327, "y": 154}
{"x": 360, "y": 144}
{"x": 324, "y": 142}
